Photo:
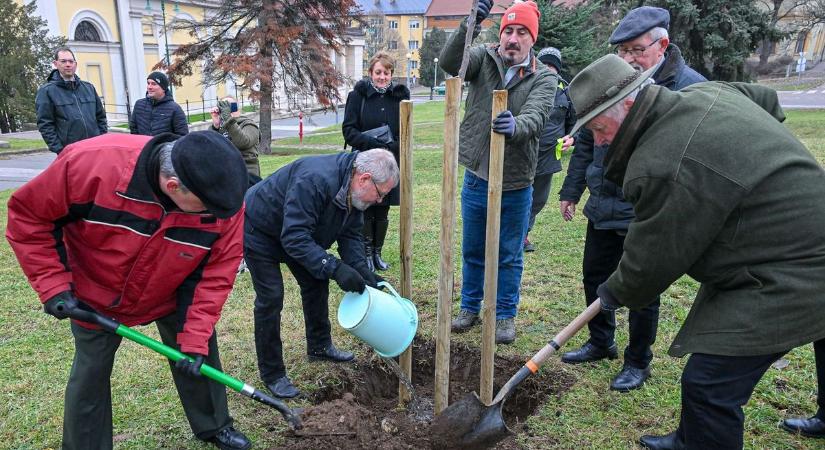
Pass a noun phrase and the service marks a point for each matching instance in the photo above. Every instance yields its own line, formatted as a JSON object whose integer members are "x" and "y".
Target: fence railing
{"x": 201, "y": 108}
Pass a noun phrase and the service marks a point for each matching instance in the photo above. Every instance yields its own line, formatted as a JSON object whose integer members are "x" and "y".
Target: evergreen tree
{"x": 430, "y": 49}
{"x": 577, "y": 31}
{"x": 26, "y": 53}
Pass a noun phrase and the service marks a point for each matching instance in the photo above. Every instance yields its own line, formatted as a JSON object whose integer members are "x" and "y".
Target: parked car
{"x": 441, "y": 89}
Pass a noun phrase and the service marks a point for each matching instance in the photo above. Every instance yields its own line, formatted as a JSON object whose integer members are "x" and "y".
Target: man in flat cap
{"x": 293, "y": 217}
{"x": 641, "y": 39}
{"x": 141, "y": 230}
{"x": 725, "y": 194}
{"x": 511, "y": 65}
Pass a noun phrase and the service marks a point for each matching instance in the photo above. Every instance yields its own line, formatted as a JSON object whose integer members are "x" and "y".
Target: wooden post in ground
{"x": 488, "y": 316}
{"x": 405, "y": 229}
{"x": 449, "y": 175}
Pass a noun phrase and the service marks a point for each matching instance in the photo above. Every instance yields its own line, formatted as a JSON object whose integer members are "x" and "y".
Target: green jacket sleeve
{"x": 534, "y": 113}
{"x": 453, "y": 52}
{"x": 674, "y": 226}
{"x": 763, "y": 96}
{"x": 243, "y": 137}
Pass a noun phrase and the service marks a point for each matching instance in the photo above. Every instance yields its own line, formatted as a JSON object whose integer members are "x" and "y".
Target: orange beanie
{"x": 525, "y": 14}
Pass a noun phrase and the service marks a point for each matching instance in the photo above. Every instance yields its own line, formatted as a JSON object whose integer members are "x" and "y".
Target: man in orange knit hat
{"x": 511, "y": 65}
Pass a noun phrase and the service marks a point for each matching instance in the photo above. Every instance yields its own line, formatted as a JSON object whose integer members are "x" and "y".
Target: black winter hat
{"x": 552, "y": 56}
{"x": 161, "y": 79}
{"x": 213, "y": 169}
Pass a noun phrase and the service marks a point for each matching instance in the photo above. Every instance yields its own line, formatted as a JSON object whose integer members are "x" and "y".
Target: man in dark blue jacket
{"x": 641, "y": 39}
{"x": 293, "y": 217}
{"x": 68, "y": 108}
{"x": 157, "y": 112}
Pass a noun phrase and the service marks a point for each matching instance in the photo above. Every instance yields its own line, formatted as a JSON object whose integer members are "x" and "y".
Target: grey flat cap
{"x": 638, "y": 21}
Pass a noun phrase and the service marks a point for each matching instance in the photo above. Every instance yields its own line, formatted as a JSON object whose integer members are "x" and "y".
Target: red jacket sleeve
{"x": 214, "y": 287}
{"x": 36, "y": 213}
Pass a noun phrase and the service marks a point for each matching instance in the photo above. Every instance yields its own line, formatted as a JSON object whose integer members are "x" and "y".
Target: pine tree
{"x": 26, "y": 52}
{"x": 434, "y": 41}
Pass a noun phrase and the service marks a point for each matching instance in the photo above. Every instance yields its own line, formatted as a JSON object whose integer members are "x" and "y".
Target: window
{"x": 147, "y": 29}
{"x": 414, "y": 24}
{"x": 392, "y": 45}
{"x": 393, "y": 24}
{"x": 412, "y": 45}
{"x": 85, "y": 31}
{"x": 413, "y": 65}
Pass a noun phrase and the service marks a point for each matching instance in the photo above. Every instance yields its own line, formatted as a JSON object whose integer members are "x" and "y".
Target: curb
{"x": 24, "y": 151}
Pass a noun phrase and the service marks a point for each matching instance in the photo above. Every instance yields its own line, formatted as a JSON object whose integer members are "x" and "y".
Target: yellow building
{"x": 117, "y": 42}
{"x": 397, "y": 25}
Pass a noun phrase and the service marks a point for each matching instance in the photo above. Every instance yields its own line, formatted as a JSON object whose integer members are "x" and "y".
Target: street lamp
{"x": 435, "y": 77}
{"x": 165, "y": 37}
{"x": 409, "y": 55}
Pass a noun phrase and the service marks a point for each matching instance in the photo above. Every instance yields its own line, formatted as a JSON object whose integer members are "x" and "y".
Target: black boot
{"x": 380, "y": 233}
{"x": 369, "y": 232}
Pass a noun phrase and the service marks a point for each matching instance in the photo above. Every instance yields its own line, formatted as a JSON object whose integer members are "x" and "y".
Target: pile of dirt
{"x": 358, "y": 408}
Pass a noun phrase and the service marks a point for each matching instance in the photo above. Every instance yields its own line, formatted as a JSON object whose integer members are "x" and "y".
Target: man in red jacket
{"x": 139, "y": 229}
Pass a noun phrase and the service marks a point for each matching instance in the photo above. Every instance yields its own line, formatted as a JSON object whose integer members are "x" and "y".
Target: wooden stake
{"x": 449, "y": 175}
{"x": 405, "y": 229}
{"x": 488, "y": 330}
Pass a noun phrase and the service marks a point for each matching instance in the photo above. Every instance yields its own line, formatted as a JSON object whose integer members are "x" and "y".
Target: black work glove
{"x": 483, "y": 10}
{"x": 348, "y": 279}
{"x": 60, "y": 305}
{"x": 372, "y": 279}
{"x": 225, "y": 111}
{"x": 609, "y": 302}
{"x": 191, "y": 368}
{"x": 505, "y": 124}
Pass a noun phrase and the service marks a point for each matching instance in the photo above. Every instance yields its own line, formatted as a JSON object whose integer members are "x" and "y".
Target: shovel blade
{"x": 469, "y": 424}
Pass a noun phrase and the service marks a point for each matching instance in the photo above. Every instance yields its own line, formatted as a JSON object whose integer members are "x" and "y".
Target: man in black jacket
{"x": 293, "y": 217}
{"x": 157, "y": 112}
{"x": 641, "y": 39}
{"x": 68, "y": 109}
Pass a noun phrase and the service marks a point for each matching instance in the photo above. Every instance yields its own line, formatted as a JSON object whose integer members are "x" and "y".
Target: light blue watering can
{"x": 385, "y": 321}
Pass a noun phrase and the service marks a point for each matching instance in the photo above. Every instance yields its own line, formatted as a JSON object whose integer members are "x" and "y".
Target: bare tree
{"x": 264, "y": 42}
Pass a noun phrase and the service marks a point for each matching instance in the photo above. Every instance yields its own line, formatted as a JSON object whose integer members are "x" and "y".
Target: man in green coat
{"x": 531, "y": 88}
{"x": 241, "y": 131}
{"x": 724, "y": 193}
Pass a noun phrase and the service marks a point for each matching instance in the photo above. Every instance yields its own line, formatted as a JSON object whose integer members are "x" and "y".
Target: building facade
{"x": 118, "y": 42}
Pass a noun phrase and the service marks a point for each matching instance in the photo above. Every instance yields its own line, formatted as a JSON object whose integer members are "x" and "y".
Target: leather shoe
{"x": 630, "y": 378}
{"x": 230, "y": 439}
{"x": 812, "y": 427}
{"x": 670, "y": 441}
{"x": 589, "y": 352}
{"x": 330, "y": 353}
{"x": 283, "y": 388}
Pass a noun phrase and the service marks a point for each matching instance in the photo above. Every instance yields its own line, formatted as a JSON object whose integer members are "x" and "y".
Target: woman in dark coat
{"x": 374, "y": 102}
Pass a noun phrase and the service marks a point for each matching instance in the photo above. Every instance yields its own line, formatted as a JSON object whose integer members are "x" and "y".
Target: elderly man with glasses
{"x": 642, "y": 41}
{"x": 293, "y": 217}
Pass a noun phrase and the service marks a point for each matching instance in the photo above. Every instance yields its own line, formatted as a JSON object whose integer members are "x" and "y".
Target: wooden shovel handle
{"x": 564, "y": 335}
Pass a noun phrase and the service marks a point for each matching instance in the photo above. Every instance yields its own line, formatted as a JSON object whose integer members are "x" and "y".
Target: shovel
{"x": 86, "y": 314}
{"x": 468, "y": 423}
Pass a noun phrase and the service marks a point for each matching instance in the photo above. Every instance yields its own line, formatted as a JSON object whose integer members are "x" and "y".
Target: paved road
{"x": 809, "y": 99}
{"x": 19, "y": 169}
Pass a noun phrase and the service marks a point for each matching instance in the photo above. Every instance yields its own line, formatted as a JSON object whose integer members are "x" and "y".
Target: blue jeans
{"x": 515, "y": 213}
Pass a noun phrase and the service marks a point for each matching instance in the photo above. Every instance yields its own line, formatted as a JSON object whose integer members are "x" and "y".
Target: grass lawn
{"x": 23, "y": 144}
{"x": 36, "y": 350}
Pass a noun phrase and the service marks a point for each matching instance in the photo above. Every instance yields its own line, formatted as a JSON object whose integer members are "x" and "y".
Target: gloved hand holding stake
{"x": 60, "y": 305}
{"x": 505, "y": 124}
{"x": 349, "y": 279}
{"x": 609, "y": 302}
{"x": 483, "y": 10}
{"x": 191, "y": 368}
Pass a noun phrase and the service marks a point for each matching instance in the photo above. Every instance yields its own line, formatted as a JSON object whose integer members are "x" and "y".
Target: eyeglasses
{"x": 635, "y": 51}
{"x": 381, "y": 195}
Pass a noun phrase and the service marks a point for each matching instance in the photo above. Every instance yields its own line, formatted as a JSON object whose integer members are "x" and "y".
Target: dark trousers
{"x": 87, "y": 417}
{"x": 264, "y": 255}
{"x": 714, "y": 389}
{"x": 602, "y": 252}
{"x": 541, "y": 192}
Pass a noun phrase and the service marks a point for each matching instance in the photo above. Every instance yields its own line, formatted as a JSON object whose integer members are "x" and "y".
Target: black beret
{"x": 638, "y": 21}
{"x": 213, "y": 169}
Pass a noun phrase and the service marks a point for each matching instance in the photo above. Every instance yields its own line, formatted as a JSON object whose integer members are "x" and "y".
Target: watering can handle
{"x": 407, "y": 305}
{"x": 389, "y": 286}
